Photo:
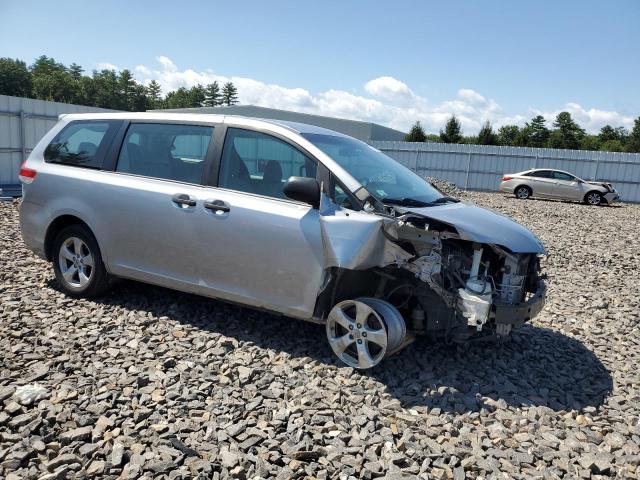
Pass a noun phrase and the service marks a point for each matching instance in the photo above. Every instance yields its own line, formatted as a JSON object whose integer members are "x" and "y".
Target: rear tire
{"x": 594, "y": 198}
{"x": 523, "y": 192}
{"x": 77, "y": 263}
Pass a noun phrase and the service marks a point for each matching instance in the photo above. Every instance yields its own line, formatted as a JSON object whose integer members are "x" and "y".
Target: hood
{"x": 605, "y": 185}
{"x": 481, "y": 225}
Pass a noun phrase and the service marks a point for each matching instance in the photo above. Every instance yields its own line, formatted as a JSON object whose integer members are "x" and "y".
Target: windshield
{"x": 382, "y": 176}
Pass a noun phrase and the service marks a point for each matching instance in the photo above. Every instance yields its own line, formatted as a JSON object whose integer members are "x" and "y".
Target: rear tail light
{"x": 26, "y": 175}
{"x": 506, "y": 178}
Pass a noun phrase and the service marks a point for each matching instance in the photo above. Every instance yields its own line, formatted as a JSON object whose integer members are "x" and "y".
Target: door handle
{"x": 183, "y": 199}
{"x": 217, "y": 206}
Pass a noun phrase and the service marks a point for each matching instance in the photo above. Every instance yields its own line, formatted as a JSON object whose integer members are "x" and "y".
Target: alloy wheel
{"x": 76, "y": 262}
{"x": 594, "y": 198}
{"x": 357, "y": 334}
{"x": 522, "y": 193}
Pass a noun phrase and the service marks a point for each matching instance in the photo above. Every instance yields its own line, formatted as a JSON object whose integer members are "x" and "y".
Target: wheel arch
{"x": 56, "y": 226}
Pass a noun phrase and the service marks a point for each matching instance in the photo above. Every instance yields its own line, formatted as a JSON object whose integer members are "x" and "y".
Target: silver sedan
{"x": 559, "y": 185}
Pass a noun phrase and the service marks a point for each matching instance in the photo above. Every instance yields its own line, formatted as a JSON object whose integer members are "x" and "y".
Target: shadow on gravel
{"x": 535, "y": 367}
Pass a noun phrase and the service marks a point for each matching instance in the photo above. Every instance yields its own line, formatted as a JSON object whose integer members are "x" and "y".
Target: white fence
{"x": 480, "y": 167}
{"x": 23, "y": 122}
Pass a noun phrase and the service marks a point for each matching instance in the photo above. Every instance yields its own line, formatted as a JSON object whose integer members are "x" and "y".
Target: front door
{"x": 566, "y": 187}
{"x": 254, "y": 245}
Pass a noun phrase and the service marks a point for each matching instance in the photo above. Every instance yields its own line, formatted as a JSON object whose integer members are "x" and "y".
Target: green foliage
{"x": 229, "y": 94}
{"x": 590, "y": 142}
{"x": 452, "y": 132}
{"x": 507, "y": 134}
{"x": 212, "y": 95}
{"x": 47, "y": 79}
{"x": 567, "y": 133}
{"x": 538, "y": 134}
{"x": 633, "y": 142}
{"x": 15, "y": 78}
{"x": 487, "y": 136}
{"x": 416, "y": 134}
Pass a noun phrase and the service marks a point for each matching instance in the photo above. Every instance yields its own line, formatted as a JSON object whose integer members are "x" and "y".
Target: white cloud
{"x": 387, "y": 101}
{"x": 107, "y": 66}
{"x": 592, "y": 119}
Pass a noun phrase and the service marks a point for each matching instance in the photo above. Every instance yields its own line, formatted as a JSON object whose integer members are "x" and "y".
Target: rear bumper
{"x": 611, "y": 197}
{"x": 520, "y": 313}
{"x": 33, "y": 223}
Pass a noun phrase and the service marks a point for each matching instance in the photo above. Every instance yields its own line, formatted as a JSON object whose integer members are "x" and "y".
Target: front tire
{"x": 77, "y": 263}
{"x": 523, "y": 192}
{"x": 593, "y": 198}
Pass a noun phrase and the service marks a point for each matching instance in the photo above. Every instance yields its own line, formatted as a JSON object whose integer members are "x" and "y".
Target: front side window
{"x": 171, "y": 152}
{"x": 255, "y": 162}
{"x": 81, "y": 144}
{"x": 563, "y": 176}
{"x": 383, "y": 177}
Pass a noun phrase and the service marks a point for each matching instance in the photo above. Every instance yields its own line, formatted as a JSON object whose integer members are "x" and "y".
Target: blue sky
{"x": 390, "y": 62}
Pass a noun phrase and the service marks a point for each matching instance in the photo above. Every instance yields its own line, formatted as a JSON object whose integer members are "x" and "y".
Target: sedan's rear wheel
{"x": 361, "y": 332}
{"x": 593, "y": 198}
{"x": 523, "y": 192}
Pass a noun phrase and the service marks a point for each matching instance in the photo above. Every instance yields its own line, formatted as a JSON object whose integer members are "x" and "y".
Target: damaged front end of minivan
{"x": 453, "y": 271}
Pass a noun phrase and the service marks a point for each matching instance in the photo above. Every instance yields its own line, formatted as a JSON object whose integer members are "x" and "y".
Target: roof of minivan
{"x": 296, "y": 127}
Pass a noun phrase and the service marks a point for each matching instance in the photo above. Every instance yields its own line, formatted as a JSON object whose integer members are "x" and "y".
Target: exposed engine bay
{"x": 443, "y": 280}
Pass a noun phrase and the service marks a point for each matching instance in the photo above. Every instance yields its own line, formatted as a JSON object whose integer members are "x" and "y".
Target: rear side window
{"x": 81, "y": 144}
{"x": 171, "y": 152}
{"x": 540, "y": 174}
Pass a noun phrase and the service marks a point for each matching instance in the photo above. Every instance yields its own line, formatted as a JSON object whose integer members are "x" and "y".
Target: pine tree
{"x": 196, "y": 96}
{"x": 538, "y": 132}
{"x": 229, "y": 94}
{"x": 487, "y": 136}
{"x": 154, "y": 94}
{"x": 633, "y": 142}
{"x": 568, "y": 134}
{"x": 212, "y": 96}
{"x": 416, "y": 134}
{"x": 452, "y": 132}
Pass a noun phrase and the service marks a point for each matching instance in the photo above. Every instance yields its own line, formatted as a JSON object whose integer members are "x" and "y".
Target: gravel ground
{"x": 153, "y": 383}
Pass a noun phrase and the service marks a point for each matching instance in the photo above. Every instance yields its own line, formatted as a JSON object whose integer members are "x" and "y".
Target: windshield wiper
{"x": 405, "y": 202}
{"x": 412, "y": 202}
{"x": 445, "y": 199}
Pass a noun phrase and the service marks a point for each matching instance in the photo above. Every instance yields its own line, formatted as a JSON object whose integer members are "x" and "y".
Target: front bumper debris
{"x": 611, "y": 197}
{"x": 519, "y": 313}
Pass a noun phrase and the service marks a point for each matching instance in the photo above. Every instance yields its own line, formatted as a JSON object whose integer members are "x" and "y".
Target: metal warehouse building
{"x": 364, "y": 131}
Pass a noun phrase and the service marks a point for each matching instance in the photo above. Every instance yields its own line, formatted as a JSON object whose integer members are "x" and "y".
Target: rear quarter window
{"x": 81, "y": 143}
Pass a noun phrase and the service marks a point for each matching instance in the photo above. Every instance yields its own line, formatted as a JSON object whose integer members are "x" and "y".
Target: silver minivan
{"x": 280, "y": 216}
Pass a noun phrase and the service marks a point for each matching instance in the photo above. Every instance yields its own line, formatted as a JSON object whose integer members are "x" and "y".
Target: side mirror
{"x": 303, "y": 189}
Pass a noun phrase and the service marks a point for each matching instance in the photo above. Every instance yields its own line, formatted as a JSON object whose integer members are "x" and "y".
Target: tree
{"x": 229, "y": 94}
{"x": 52, "y": 80}
{"x": 126, "y": 87}
{"x": 487, "y": 136}
{"x": 633, "y": 142}
{"x": 538, "y": 132}
{"x": 452, "y": 132}
{"x": 508, "y": 134}
{"x": 196, "y": 96}
{"x": 567, "y": 133}
{"x": 154, "y": 94}
{"x": 15, "y": 78}
{"x": 212, "y": 96}
{"x": 178, "y": 98}
{"x": 416, "y": 134}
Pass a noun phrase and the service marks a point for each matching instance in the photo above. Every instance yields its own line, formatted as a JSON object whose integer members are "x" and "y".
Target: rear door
{"x": 542, "y": 183}
{"x": 150, "y": 203}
